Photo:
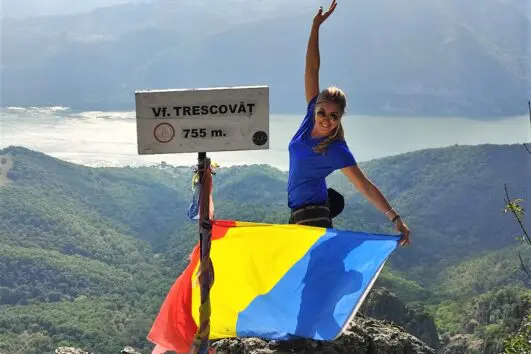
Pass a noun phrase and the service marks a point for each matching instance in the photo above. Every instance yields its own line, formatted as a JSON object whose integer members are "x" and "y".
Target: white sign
{"x": 202, "y": 120}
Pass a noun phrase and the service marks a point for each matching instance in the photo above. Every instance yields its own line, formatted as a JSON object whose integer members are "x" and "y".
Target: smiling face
{"x": 330, "y": 106}
{"x": 327, "y": 118}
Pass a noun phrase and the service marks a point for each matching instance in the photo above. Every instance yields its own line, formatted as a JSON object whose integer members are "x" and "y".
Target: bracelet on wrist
{"x": 397, "y": 216}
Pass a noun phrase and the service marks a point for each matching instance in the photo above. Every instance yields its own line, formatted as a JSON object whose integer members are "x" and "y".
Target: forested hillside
{"x": 88, "y": 254}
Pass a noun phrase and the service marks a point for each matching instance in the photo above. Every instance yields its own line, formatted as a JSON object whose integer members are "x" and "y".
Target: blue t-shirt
{"x": 308, "y": 169}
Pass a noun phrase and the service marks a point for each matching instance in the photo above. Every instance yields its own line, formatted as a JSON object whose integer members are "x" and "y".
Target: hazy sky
{"x": 24, "y": 8}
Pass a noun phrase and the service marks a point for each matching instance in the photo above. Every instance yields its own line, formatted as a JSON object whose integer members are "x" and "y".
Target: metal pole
{"x": 205, "y": 265}
{"x": 201, "y": 159}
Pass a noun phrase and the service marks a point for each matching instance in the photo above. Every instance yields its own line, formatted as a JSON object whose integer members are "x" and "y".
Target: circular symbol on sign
{"x": 164, "y": 132}
{"x": 260, "y": 138}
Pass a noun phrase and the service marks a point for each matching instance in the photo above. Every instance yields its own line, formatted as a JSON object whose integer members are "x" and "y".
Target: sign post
{"x": 201, "y": 120}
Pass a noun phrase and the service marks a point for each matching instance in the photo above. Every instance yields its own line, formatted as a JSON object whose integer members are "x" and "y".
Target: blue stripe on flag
{"x": 318, "y": 296}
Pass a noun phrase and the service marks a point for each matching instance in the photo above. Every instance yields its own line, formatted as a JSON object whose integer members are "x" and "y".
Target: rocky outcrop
{"x": 364, "y": 336}
{"x": 72, "y": 350}
{"x": 381, "y": 304}
{"x": 501, "y": 311}
{"x": 384, "y": 324}
{"x": 129, "y": 350}
{"x": 461, "y": 344}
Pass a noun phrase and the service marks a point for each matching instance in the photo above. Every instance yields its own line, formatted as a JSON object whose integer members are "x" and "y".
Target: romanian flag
{"x": 274, "y": 281}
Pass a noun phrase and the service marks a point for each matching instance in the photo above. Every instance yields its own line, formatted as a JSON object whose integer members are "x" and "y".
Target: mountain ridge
{"x": 88, "y": 254}
{"x": 97, "y": 60}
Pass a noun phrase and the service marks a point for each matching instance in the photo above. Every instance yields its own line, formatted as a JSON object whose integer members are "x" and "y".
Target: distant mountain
{"x": 409, "y": 58}
{"x": 88, "y": 254}
{"x": 31, "y": 8}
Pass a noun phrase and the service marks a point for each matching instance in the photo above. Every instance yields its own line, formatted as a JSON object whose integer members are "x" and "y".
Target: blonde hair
{"x": 334, "y": 95}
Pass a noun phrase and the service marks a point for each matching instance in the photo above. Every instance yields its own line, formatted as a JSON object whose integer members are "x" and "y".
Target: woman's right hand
{"x": 321, "y": 17}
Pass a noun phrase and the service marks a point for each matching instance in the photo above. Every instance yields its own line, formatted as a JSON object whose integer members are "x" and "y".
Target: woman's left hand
{"x": 401, "y": 227}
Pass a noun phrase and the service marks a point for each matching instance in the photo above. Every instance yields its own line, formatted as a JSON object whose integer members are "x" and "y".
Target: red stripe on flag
{"x": 174, "y": 327}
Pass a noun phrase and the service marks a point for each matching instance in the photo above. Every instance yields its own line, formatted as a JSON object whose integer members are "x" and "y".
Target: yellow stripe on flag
{"x": 249, "y": 261}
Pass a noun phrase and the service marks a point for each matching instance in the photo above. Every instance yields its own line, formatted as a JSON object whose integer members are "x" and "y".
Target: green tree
{"x": 519, "y": 342}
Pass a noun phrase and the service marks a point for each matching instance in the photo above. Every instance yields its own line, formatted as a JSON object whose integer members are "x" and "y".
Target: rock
{"x": 381, "y": 304}
{"x": 364, "y": 335}
{"x": 471, "y": 326}
{"x": 462, "y": 343}
{"x": 70, "y": 350}
{"x": 129, "y": 350}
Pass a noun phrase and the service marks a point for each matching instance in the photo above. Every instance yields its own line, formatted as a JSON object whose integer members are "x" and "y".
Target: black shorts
{"x": 319, "y": 215}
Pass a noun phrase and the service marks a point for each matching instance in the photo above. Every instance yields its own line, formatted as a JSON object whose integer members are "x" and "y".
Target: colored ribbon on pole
{"x": 206, "y": 272}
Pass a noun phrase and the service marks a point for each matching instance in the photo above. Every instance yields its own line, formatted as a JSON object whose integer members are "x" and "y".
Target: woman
{"x": 318, "y": 148}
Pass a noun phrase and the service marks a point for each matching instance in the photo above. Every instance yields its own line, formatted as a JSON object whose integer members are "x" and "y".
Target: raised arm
{"x": 313, "y": 60}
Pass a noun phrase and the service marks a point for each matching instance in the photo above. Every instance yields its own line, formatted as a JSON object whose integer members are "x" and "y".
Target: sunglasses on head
{"x": 333, "y": 116}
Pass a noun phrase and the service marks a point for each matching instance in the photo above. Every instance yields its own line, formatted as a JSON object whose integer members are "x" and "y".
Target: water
{"x": 109, "y": 138}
